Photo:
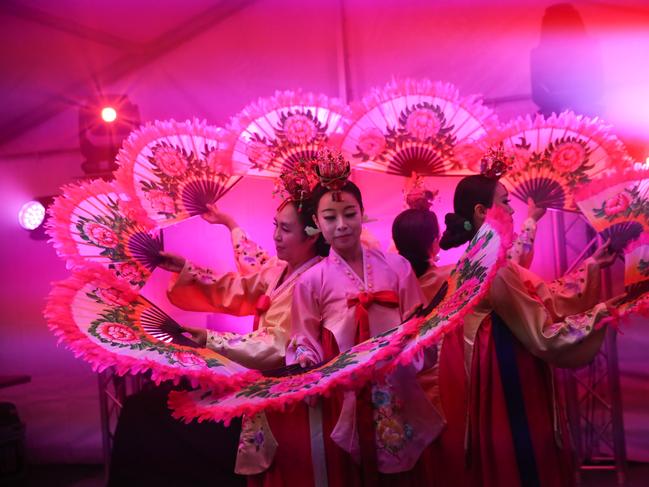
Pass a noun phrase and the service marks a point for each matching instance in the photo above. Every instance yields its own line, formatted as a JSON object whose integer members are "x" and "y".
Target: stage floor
{"x": 93, "y": 476}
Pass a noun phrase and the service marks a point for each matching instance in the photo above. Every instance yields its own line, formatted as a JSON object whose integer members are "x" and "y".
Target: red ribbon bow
{"x": 362, "y": 302}
{"x": 261, "y": 306}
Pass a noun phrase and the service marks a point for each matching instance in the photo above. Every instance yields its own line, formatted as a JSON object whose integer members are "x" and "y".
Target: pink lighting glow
{"x": 31, "y": 215}
{"x": 108, "y": 114}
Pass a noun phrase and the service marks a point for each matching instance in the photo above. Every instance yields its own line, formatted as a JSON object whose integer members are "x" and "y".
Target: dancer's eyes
{"x": 330, "y": 218}
{"x": 282, "y": 227}
{"x": 350, "y": 215}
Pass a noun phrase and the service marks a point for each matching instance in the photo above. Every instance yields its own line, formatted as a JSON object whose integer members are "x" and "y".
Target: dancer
{"x": 265, "y": 290}
{"x": 415, "y": 233}
{"x": 350, "y": 296}
{"x": 496, "y": 381}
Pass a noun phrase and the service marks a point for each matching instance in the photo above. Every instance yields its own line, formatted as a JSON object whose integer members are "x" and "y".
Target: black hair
{"x": 470, "y": 191}
{"x": 413, "y": 232}
{"x": 319, "y": 191}
{"x": 305, "y": 211}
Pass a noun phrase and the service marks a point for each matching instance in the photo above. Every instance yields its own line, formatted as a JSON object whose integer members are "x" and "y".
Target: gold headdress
{"x": 496, "y": 162}
{"x": 332, "y": 170}
{"x": 417, "y": 195}
{"x": 296, "y": 183}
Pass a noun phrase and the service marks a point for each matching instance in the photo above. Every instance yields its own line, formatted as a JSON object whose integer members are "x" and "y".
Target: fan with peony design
{"x": 635, "y": 301}
{"x": 636, "y": 264}
{"x": 105, "y": 322}
{"x": 417, "y": 126}
{"x": 554, "y": 156}
{"x": 617, "y": 206}
{"x": 174, "y": 170}
{"x": 94, "y": 224}
{"x": 288, "y": 128}
{"x": 378, "y": 355}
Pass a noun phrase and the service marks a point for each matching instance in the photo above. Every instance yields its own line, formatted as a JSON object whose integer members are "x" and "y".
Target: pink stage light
{"x": 108, "y": 114}
{"x": 31, "y": 215}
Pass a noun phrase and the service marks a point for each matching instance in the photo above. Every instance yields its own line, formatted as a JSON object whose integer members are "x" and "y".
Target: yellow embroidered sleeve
{"x": 522, "y": 251}
{"x": 261, "y": 349}
{"x": 249, "y": 256}
{"x": 545, "y": 323}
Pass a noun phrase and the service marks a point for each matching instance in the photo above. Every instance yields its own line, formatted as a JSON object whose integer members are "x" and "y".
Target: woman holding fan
{"x": 376, "y": 435}
{"x": 263, "y": 288}
{"x": 496, "y": 382}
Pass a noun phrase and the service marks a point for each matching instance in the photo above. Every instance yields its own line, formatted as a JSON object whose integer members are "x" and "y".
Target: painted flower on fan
{"x": 295, "y": 382}
{"x": 170, "y": 161}
{"x": 100, "y": 235}
{"x": 568, "y": 156}
{"x": 475, "y": 248}
{"x": 371, "y": 142}
{"x": 617, "y": 204}
{"x": 520, "y": 158}
{"x": 129, "y": 271}
{"x": 459, "y": 298}
{"x": 259, "y": 153}
{"x": 641, "y": 305}
{"x": 643, "y": 267}
{"x": 300, "y": 129}
{"x": 218, "y": 162}
{"x": 188, "y": 359}
{"x": 160, "y": 201}
{"x": 365, "y": 346}
{"x": 116, "y": 332}
{"x": 422, "y": 124}
{"x": 112, "y": 296}
{"x": 127, "y": 211}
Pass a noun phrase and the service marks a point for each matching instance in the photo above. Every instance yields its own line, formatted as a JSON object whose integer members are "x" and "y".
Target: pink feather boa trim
{"x": 60, "y": 320}
{"x": 184, "y": 407}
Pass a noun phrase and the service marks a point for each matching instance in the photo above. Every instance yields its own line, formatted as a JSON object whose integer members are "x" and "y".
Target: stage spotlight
{"x": 31, "y": 215}
{"x": 108, "y": 114}
{"x": 104, "y": 123}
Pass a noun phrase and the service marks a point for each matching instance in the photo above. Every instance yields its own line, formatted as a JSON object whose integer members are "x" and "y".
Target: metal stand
{"x": 593, "y": 394}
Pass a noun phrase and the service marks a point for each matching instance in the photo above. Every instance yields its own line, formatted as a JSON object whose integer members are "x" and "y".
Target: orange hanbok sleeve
{"x": 199, "y": 289}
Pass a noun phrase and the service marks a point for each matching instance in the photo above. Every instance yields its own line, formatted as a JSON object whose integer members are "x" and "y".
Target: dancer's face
{"x": 341, "y": 221}
{"x": 291, "y": 243}
{"x": 501, "y": 199}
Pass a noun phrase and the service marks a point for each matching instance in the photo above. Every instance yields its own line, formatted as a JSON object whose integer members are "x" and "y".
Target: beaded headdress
{"x": 295, "y": 184}
{"x": 332, "y": 170}
{"x": 496, "y": 162}
{"x": 417, "y": 195}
